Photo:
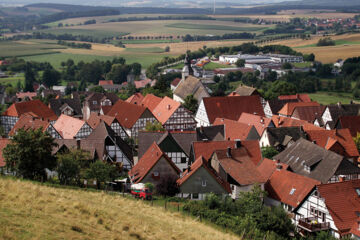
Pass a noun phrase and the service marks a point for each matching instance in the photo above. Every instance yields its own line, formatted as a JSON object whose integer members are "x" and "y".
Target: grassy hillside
{"x": 32, "y": 211}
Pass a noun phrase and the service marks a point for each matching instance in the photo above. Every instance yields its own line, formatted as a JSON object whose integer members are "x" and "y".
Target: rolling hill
{"x": 33, "y": 211}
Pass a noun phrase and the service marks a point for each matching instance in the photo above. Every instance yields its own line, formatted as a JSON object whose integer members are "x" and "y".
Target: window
{"x": 292, "y": 191}
{"x": 183, "y": 160}
{"x": 94, "y": 102}
{"x": 156, "y": 174}
{"x": 195, "y": 196}
{"x": 203, "y": 183}
{"x": 358, "y": 191}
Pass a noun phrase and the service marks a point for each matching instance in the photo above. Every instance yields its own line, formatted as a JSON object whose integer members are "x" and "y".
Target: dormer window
{"x": 292, "y": 191}
{"x": 358, "y": 191}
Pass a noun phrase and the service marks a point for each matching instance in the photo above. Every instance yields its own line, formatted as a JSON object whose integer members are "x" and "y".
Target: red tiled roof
{"x": 239, "y": 166}
{"x": 343, "y": 203}
{"x": 26, "y": 121}
{"x": 136, "y": 98}
{"x": 327, "y": 138}
{"x": 232, "y": 107}
{"x": 233, "y": 129}
{"x": 300, "y": 97}
{"x": 290, "y": 122}
{"x": 150, "y": 101}
{"x": 148, "y": 161}
{"x": 3, "y": 143}
{"x": 289, "y": 188}
{"x": 165, "y": 109}
{"x": 23, "y": 95}
{"x": 289, "y": 108}
{"x": 201, "y": 162}
{"x": 106, "y": 82}
{"x": 95, "y": 119}
{"x": 68, "y": 126}
{"x": 206, "y": 149}
{"x": 176, "y": 82}
{"x": 106, "y": 109}
{"x": 260, "y": 122}
{"x": 126, "y": 113}
{"x": 350, "y": 122}
{"x": 308, "y": 113}
{"x": 35, "y": 106}
{"x": 267, "y": 167}
{"x": 143, "y": 83}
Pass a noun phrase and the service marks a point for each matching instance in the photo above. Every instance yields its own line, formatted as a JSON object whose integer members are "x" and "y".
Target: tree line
{"x": 74, "y": 44}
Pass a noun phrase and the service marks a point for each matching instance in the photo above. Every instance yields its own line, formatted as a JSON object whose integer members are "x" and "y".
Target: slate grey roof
{"x": 321, "y": 163}
{"x": 183, "y": 139}
{"x": 98, "y": 97}
{"x": 211, "y": 133}
{"x": 57, "y": 104}
{"x": 244, "y": 90}
{"x": 281, "y": 135}
{"x": 191, "y": 85}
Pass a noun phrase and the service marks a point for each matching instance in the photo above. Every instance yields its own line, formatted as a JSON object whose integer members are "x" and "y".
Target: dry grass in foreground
{"x": 32, "y": 211}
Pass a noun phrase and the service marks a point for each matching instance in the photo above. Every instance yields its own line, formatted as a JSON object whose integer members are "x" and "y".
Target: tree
{"x": 154, "y": 127}
{"x": 191, "y": 103}
{"x": 119, "y": 73}
{"x": 68, "y": 168}
{"x": 50, "y": 77}
{"x": 29, "y": 78}
{"x": 240, "y": 63}
{"x": 136, "y": 69}
{"x": 167, "y": 49}
{"x": 98, "y": 89}
{"x": 280, "y": 88}
{"x": 101, "y": 172}
{"x": 309, "y": 57}
{"x": 357, "y": 141}
{"x": 269, "y": 152}
{"x": 29, "y": 154}
{"x": 287, "y": 66}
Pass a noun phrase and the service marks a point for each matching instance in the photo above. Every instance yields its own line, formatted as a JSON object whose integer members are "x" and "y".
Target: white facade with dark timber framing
{"x": 181, "y": 119}
{"x": 201, "y": 116}
{"x": 52, "y": 131}
{"x": 84, "y": 131}
{"x": 119, "y": 130}
{"x": 114, "y": 153}
{"x": 7, "y": 123}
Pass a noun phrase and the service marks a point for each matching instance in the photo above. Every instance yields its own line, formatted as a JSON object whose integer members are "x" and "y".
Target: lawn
{"x": 55, "y": 59}
{"x": 326, "y": 98}
{"x": 13, "y": 80}
{"x": 34, "y": 211}
{"x": 213, "y": 65}
{"x": 302, "y": 64}
{"x": 142, "y": 41}
{"x": 337, "y": 43}
{"x": 178, "y": 66}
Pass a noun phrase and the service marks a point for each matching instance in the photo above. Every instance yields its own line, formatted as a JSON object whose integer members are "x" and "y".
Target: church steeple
{"x": 187, "y": 69}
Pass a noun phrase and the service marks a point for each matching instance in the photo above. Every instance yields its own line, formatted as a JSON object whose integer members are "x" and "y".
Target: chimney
{"x": 314, "y": 142}
{"x": 168, "y": 106}
{"x": 98, "y": 113}
{"x": 351, "y": 101}
{"x": 228, "y": 152}
{"x": 278, "y": 165}
{"x": 78, "y": 144}
{"x": 339, "y": 104}
{"x": 237, "y": 143}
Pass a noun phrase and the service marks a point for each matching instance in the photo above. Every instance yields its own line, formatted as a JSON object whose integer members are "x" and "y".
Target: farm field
{"x": 13, "y": 80}
{"x": 348, "y": 46}
{"x": 162, "y": 27}
{"x": 214, "y": 65}
{"x": 28, "y": 48}
{"x": 32, "y": 211}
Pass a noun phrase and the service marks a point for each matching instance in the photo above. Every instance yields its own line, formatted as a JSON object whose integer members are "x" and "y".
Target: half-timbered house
{"x": 96, "y": 118}
{"x": 173, "y": 116}
{"x": 36, "y": 108}
{"x": 132, "y": 117}
{"x": 95, "y": 101}
{"x": 72, "y": 128}
{"x": 67, "y": 106}
{"x": 26, "y": 121}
